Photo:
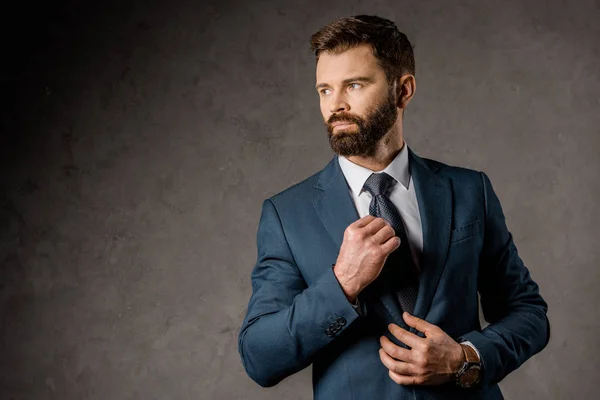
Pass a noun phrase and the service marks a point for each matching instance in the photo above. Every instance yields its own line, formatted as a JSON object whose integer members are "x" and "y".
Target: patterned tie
{"x": 404, "y": 271}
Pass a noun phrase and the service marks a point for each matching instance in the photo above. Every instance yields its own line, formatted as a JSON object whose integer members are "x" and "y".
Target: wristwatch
{"x": 469, "y": 374}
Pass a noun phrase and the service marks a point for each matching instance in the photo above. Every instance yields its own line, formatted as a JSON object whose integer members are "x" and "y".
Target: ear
{"x": 405, "y": 90}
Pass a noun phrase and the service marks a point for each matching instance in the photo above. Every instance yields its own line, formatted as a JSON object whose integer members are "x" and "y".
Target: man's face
{"x": 353, "y": 89}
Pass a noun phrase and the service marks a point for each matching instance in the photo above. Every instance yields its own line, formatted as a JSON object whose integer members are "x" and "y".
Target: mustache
{"x": 343, "y": 118}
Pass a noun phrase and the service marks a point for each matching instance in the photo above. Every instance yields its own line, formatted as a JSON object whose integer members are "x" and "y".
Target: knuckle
{"x": 416, "y": 370}
{"x": 376, "y": 251}
{"x": 390, "y": 230}
{"x": 371, "y": 241}
{"x": 353, "y": 233}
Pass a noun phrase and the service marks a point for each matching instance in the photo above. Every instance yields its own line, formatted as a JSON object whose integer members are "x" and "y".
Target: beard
{"x": 362, "y": 140}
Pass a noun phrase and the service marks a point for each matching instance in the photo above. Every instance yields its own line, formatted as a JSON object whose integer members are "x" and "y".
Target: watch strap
{"x": 470, "y": 354}
{"x": 472, "y": 364}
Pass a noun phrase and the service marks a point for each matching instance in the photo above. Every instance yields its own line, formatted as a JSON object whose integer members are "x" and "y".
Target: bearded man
{"x": 370, "y": 269}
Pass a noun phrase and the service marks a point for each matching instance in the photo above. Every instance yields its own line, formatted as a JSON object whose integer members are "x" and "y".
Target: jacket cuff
{"x": 488, "y": 355}
{"x": 340, "y": 311}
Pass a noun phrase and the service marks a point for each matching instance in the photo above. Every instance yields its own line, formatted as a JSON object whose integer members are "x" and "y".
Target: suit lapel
{"x": 434, "y": 196}
{"x": 333, "y": 202}
{"x": 334, "y": 206}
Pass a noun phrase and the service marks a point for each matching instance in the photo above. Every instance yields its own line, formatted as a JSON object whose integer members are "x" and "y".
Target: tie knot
{"x": 378, "y": 183}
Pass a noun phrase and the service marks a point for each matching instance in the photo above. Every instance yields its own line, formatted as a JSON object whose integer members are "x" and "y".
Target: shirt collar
{"x": 357, "y": 175}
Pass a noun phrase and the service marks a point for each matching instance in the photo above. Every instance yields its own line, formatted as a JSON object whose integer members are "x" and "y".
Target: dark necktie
{"x": 403, "y": 270}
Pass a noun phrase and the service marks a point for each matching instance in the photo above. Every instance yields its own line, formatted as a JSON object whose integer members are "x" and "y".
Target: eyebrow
{"x": 346, "y": 81}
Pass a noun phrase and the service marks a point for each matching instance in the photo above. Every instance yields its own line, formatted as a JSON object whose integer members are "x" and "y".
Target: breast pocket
{"x": 464, "y": 232}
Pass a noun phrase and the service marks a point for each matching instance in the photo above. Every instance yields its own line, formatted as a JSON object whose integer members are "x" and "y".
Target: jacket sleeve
{"x": 510, "y": 300}
{"x": 287, "y": 322}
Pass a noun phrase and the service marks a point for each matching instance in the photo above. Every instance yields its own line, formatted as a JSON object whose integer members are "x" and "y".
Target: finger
{"x": 391, "y": 244}
{"x": 395, "y": 351}
{"x": 384, "y": 233}
{"x": 364, "y": 221}
{"x": 406, "y": 337}
{"x": 419, "y": 324}
{"x": 375, "y": 225}
{"x": 399, "y": 367}
{"x": 406, "y": 379}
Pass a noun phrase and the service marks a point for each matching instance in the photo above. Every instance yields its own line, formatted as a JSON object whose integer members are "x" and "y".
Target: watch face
{"x": 471, "y": 376}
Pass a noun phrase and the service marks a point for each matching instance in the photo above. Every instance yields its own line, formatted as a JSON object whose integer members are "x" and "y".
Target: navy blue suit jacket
{"x": 298, "y": 313}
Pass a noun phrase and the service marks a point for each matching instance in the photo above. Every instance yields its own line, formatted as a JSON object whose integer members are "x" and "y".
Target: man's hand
{"x": 367, "y": 244}
{"x": 432, "y": 360}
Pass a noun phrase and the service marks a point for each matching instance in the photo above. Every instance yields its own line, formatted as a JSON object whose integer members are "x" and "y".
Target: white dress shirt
{"x": 402, "y": 194}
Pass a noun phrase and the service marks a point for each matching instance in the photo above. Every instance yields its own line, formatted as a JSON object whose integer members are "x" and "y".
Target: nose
{"x": 338, "y": 103}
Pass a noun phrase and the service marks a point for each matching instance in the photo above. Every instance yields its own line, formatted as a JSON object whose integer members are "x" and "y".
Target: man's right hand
{"x": 367, "y": 244}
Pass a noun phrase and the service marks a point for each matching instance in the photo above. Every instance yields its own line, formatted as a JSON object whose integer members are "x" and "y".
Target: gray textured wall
{"x": 139, "y": 140}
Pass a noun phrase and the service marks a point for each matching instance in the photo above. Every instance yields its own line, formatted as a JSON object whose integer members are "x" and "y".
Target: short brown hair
{"x": 391, "y": 47}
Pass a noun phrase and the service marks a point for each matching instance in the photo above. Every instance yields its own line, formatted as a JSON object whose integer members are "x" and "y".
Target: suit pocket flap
{"x": 465, "y": 231}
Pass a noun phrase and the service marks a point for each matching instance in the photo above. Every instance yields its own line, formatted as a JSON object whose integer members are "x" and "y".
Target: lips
{"x": 342, "y": 124}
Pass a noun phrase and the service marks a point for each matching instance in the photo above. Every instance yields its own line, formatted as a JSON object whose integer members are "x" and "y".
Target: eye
{"x": 322, "y": 91}
{"x": 354, "y": 84}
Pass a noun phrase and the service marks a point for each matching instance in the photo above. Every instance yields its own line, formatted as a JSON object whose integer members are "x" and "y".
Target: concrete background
{"x": 140, "y": 138}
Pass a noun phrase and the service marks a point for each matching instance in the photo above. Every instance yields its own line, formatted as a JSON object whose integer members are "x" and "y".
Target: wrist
{"x": 469, "y": 374}
{"x": 458, "y": 360}
{"x": 349, "y": 286}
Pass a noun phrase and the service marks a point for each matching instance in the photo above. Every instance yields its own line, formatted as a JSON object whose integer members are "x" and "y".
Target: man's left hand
{"x": 432, "y": 360}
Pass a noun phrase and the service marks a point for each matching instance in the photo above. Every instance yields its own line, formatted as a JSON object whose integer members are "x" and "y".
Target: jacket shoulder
{"x": 454, "y": 172}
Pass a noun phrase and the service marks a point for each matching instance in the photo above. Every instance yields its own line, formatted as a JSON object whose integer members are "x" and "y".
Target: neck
{"x": 386, "y": 150}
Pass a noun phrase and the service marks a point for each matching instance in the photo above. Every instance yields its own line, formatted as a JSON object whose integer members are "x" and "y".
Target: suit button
{"x": 336, "y": 326}
{"x": 329, "y": 332}
{"x": 341, "y": 321}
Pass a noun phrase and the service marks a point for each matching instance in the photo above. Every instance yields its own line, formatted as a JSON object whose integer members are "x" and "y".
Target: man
{"x": 370, "y": 269}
